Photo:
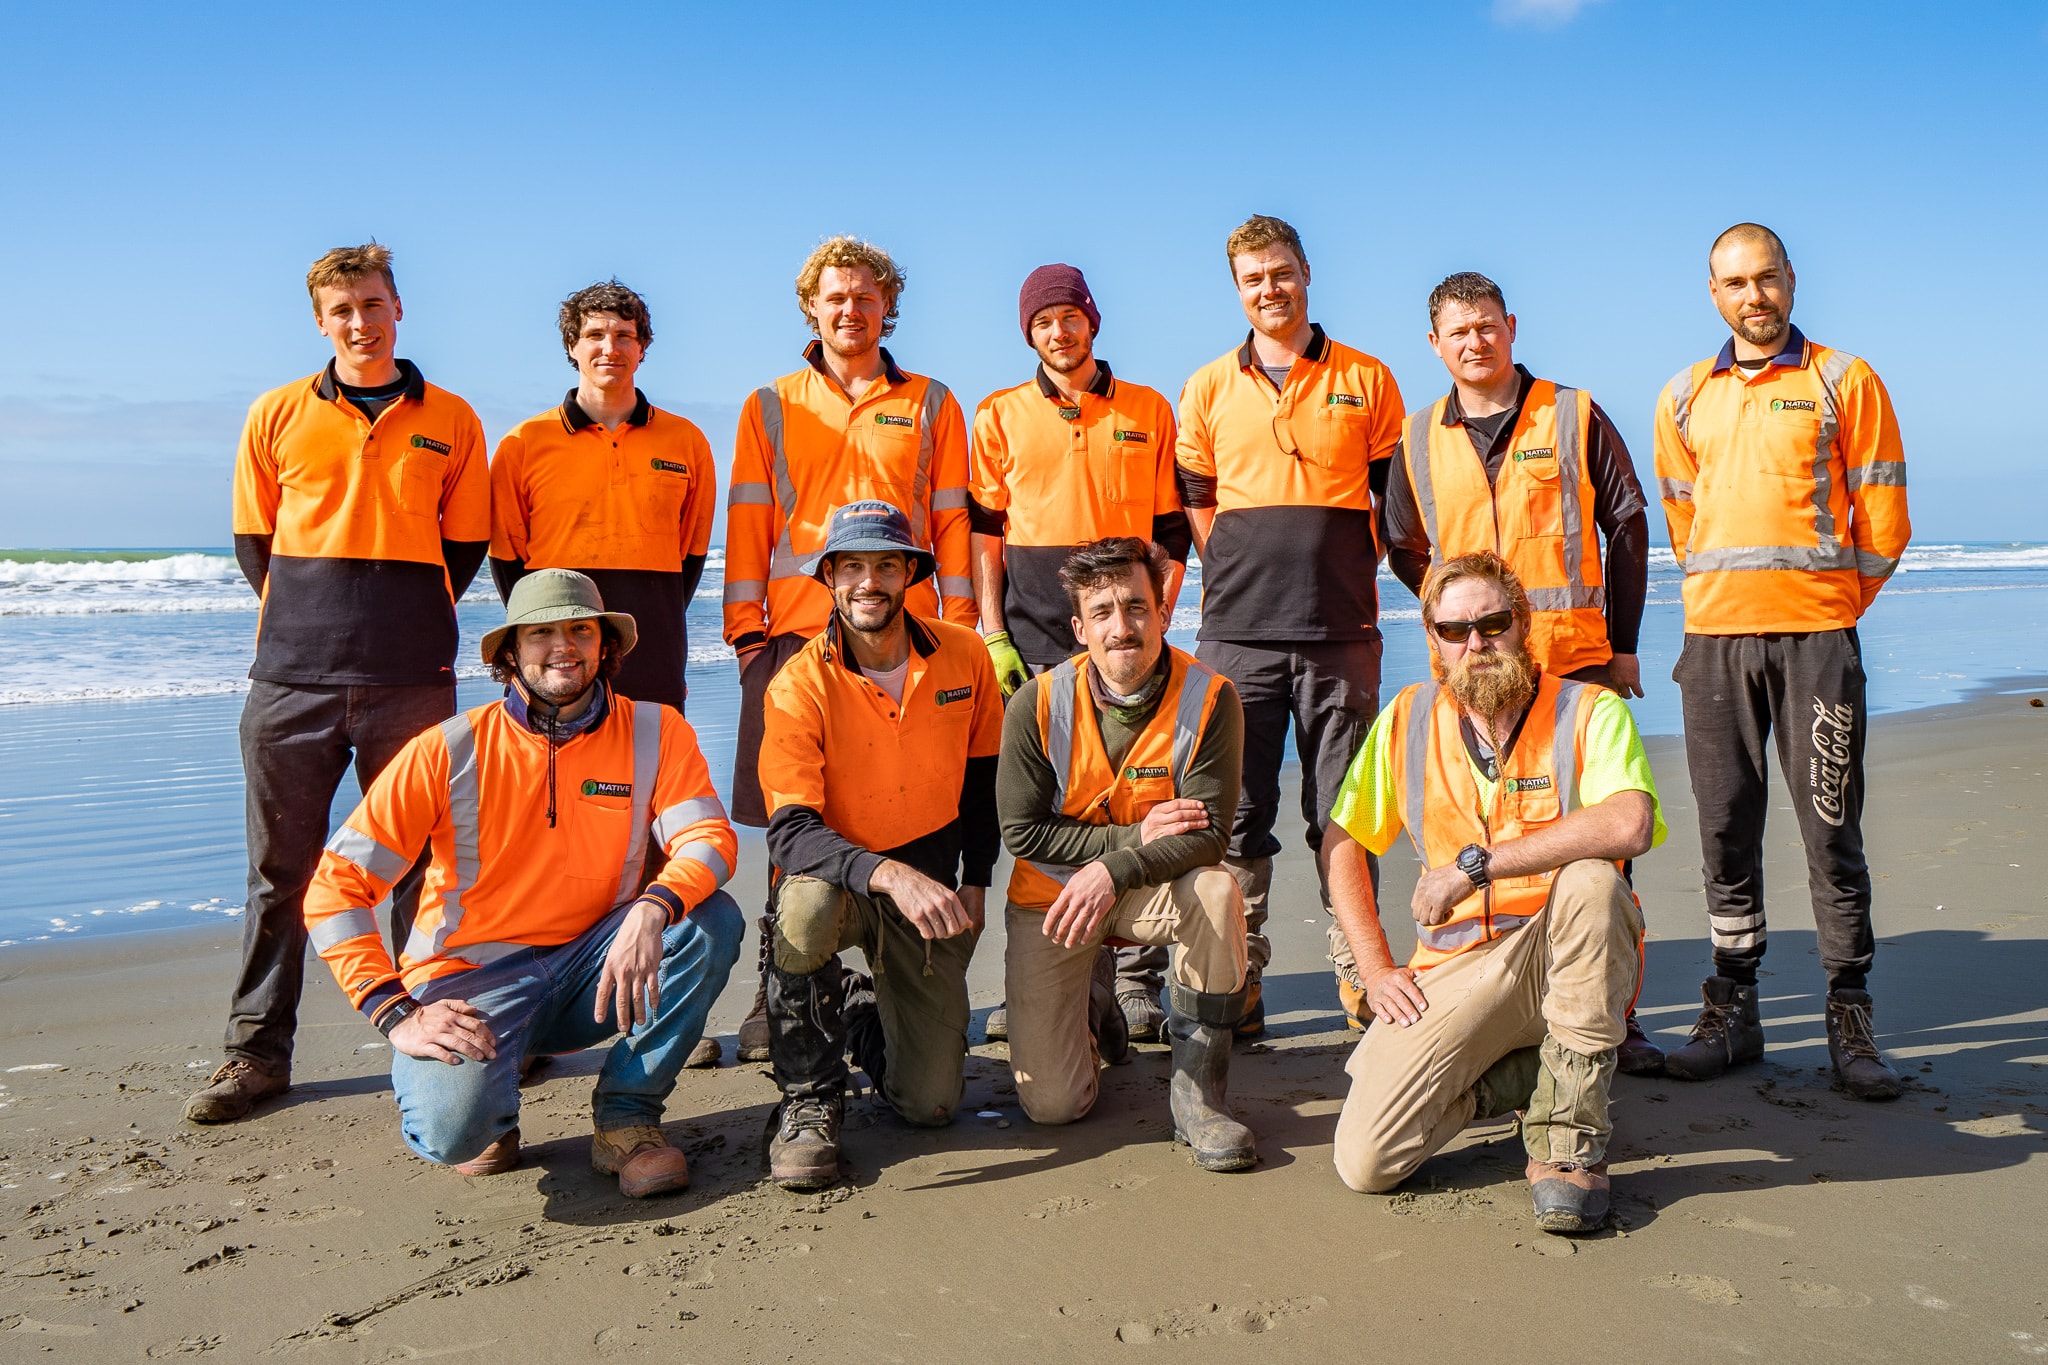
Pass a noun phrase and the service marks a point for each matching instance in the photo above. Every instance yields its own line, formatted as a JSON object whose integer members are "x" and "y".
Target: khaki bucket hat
{"x": 548, "y": 595}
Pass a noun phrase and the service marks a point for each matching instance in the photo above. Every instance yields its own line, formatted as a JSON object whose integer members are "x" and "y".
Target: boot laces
{"x": 805, "y": 1113}
{"x": 1852, "y": 1023}
{"x": 233, "y": 1069}
{"x": 1712, "y": 1025}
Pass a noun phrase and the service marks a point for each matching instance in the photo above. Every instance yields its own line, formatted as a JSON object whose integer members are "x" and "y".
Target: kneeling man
{"x": 1118, "y": 782}
{"x": 878, "y": 762}
{"x": 1523, "y": 794}
{"x": 537, "y": 931}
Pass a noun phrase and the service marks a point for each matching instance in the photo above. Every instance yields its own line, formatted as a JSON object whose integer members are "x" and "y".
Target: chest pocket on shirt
{"x": 884, "y": 459}
{"x": 1133, "y": 469}
{"x": 600, "y": 818}
{"x": 421, "y": 470}
{"x": 658, "y": 488}
{"x": 1338, "y": 435}
{"x": 1542, "y": 502}
{"x": 1524, "y": 800}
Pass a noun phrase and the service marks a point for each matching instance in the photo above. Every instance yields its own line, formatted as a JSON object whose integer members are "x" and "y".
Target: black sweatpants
{"x": 1809, "y": 688}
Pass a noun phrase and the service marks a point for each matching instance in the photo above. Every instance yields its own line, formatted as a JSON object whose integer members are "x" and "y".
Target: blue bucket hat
{"x": 873, "y": 527}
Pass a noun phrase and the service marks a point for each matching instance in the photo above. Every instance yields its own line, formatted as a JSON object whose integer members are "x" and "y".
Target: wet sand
{"x": 1765, "y": 1215}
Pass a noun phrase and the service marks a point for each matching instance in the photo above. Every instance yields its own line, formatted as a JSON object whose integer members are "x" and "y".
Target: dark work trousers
{"x": 749, "y": 806}
{"x": 1328, "y": 691}
{"x": 1809, "y": 687}
{"x": 297, "y": 741}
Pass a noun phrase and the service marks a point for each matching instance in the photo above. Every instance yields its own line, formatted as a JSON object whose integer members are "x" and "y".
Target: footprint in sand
{"x": 1706, "y": 1288}
{"x": 1739, "y": 1224}
{"x": 1807, "y": 1294}
{"x": 1063, "y": 1207}
{"x": 1920, "y": 1294}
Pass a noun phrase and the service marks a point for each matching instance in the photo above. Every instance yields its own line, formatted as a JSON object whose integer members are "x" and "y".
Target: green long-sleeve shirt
{"x": 1026, "y": 796}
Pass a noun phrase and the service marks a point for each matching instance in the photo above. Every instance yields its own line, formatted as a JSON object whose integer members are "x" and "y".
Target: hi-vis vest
{"x": 1089, "y": 789}
{"x": 1538, "y": 516}
{"x": 1437, "y": 796}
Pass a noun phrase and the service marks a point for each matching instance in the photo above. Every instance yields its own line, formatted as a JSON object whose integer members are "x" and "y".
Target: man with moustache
{"x": 851, "y": 425}
{"x": 1523, "y": 794}
{"x": 1118, "y": 780}
{"x": 1784, "y": 485}
{"x": 361, "y": 513}
{"x": 1536, "y": 471}
{"x": 1069, "y": 457}
{"x": 1284, "y": 445}
{"x": 878, "y": 765}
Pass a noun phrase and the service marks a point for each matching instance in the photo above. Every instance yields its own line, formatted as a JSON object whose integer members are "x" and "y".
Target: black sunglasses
{"x": 1490, "y": 625}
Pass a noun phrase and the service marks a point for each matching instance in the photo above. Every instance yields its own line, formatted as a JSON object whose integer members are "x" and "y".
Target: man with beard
{"x": 1284, "y": 445}
{"x": 1072, "y": 456}
{"x": 850, "y": 425}
{"x": 538, "y": 932}
{"x": 1118, "y": 779}
{"x": 1536, "y": 471}
{"x": 878, "y": 764}
{"x": 1784, "y": 487}
{"x": 1522, "y": 793}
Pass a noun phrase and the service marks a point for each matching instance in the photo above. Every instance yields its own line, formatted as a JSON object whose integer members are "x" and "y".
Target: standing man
{"x": 1067, "y": 458}
{"x": 1784, "y": 486}
{"x": 361, "y": 513}
{"x": 1511, "y": 463}
{"x": 879, "y": 768}
{"x": 1283, "y": 447}
{"x": 850, "y": 425}
{"x": 613, "y": 487}
{"x": 1118, "y": 781}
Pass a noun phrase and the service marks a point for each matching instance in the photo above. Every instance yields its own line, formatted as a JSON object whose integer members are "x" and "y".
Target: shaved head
{"x": 1748, "y": 233}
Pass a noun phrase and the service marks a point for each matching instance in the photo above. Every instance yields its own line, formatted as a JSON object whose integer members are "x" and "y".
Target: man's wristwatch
{"x": 1472, "y": 862}
{"x": 397, "y": 1012}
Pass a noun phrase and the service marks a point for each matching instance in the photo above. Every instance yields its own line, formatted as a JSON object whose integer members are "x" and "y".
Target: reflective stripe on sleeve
{"x": 949, "y": 499}
{"x": 1681, "y": 401}
{"x": 950, "y": 586}
{"x": 749, "y": 495}
{"x": 781, "y": 564}
{"x": 745, "y": 590}
{"x": 684, "y": 814}
{"x": 702, "y": 851}
{"x": 1875, "y": 565}
{"x": 921, "y": 500}
{"x": 338, "y": 929}
{"x": 1876, "y": 474}
{"x": 366, "y": 853}
{"x": 460, "y": 738}
{"x": 1675, "y": 490}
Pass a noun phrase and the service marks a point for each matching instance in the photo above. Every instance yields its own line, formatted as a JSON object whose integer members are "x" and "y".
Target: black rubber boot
{"x": 752, "y": 1044}
{"x": 1199, "y": 1024}
{"x": 1852, "y": 1047}
{"x": 1727, "y": 1033}
{"x": 865, "y": 1042}
{"x": 807, "y": 1047}
{"x": 1105, "y": 1017}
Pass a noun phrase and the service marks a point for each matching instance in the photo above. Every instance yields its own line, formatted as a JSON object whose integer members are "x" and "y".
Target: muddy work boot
{"x": 1143, "y": 1018}
{"x": 238, "y": 1086}
{"x": 496, "y": 1159}
{"x": 752, "y": 1043}
{"x": 1852, "y": 1047}
{"x": 1564, "y": 1131}
{"x": 706, "y": 1055}
{"x": 1569, "y": 1198}
{"x": 1105, "y": 1017}
{"x": 1637, "y": 1055}
{"x": 644, "y": 1161}
{"x": 807, "y": 1047}
{"x": 1199, "y": 1025}
{"x": 1727, "y": 1033}
{"x": 997, "y": 1029}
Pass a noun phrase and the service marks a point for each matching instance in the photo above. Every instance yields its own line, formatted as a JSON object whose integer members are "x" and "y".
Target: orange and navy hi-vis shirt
{"x": 632, "y": 508}
{"x": 357, "y": 591}
{"x": 1048, "y": 475}
{"x": 523, "y": 855}
{"x": 804, "y": 451}
{"x": 1292, "y": 553}
{"x": 851, "y": 776}
{"x": 1784, "y": 491}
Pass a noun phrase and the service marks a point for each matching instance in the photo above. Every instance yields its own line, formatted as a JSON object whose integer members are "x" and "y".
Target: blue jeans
{"x": 541, "y": 1001}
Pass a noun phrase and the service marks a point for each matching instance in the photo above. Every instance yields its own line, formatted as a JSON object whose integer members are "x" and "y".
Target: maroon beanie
{"x": 1051, "y": 284}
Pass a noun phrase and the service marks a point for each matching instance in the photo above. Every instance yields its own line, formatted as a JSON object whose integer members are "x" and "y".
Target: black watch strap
{"x": 399, "y": 1010}
{"x": 1472, "y": 861}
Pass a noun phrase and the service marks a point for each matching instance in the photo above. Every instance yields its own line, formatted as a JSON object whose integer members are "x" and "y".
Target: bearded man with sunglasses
{"x": 1523, "y": 794}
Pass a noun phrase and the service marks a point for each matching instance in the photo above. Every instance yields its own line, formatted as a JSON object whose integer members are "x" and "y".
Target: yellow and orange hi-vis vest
{"x": 1538, "y": 516}
{"x": 1438, "y": 798}
{"x": 1089, "y": 789}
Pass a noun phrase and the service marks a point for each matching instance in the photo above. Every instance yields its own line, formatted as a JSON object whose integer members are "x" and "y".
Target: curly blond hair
{"x": 849, "y": 253}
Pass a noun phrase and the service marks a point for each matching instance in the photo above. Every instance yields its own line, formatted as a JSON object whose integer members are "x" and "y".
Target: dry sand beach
{"x": 1763, "y": 1216}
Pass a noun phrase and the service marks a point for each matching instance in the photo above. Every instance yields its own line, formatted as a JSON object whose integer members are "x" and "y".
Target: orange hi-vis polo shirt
{"x": 803, "y": 451}
{"x": 631, "y": 508}
{"x": 1785, "y": 491}
{"x": 522, "y": 856}
{"x": 1048, "y": 476}
{"x": 1292, "y": 554}
{"x": 356, "y": 512}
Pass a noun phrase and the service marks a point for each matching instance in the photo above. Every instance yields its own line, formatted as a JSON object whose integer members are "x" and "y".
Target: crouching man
{"x": 1522, "y": 794}
{"x": 1117, "y": 786}
{"x": 536, "y": 934}
{"x": 878, "y": 763}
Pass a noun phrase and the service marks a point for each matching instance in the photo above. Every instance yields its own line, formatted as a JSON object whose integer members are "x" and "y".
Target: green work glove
{"x": 1011, "y": 673}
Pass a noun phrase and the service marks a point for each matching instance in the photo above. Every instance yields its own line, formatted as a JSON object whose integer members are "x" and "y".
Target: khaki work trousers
{"x": 920, "y": 987}
{"x": 1572, "y": 971}
{"x": 1052, "y": 1054}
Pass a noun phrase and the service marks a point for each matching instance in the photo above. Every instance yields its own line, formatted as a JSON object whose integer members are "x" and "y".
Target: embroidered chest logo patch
{"x": 1791, "y": 405}
{"x": 593, "y": 787}
{"x": 441, "y": 447}
{"x": 668, "y": 466}
{"x": 890, "y": 419}
{"x": 1135, "y": 774}
{"x": 953, "y": 694}
{"x": 1134, "y": 437}
{"x": 1526, "y": 784}
{"x": 1345, "y": 400}
{"x": 1546, "y": 453}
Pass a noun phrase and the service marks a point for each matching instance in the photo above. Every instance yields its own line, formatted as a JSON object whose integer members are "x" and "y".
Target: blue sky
{"x": 172, "y": 170}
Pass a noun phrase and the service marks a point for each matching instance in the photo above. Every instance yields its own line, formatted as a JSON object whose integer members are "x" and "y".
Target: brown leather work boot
{"x": 752, "y": 1044}
{"x": 496, "y": 1159}
{"x": 1729, "y": 1032}
{"x": 238, "y": 1086}
{"x": 1852, "y": 1047}
{"x": 1569, "y": 1198}
{"x": 1637, "y": 1055}
{"x": 644, "y": 1161}
{"x": 705, "y": 1055}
